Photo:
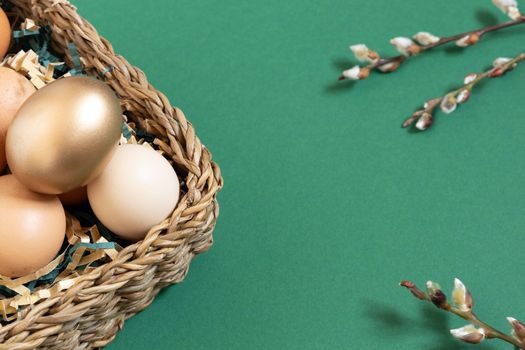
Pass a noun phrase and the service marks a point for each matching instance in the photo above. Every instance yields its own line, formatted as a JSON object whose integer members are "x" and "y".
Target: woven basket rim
{"x": 170, "y": 244}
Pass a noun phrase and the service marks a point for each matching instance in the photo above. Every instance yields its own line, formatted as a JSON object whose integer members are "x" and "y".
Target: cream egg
{"x": 137, "y": 190}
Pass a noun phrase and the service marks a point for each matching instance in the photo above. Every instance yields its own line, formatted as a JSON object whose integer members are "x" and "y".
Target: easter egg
{"x": 32, "y": 228}
{"x": 3, "y": 161}
{"x": 64, "y": 135}
{"x": 15, "y": 89}
{"x": 137, "y": 190}
{"x": 5, "y": 34}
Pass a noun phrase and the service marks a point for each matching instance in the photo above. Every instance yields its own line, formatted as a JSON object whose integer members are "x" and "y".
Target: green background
{"x": 328, "y": 203}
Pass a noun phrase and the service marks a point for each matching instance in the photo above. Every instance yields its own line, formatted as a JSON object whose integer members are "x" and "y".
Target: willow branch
{"x": 476, "y": 331}
{"x": 471, "y": 38}
{"x": 451, "y": 100}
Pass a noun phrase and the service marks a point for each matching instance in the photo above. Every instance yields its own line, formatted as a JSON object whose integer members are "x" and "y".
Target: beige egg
{"x": 5, "y": 34}
{"x": 137, "y": 190}
{"x": 32, "y": 228}
{"x": 64, "y": 135}
{"x": 3, "y": 161}
{"x": 15, "y": 89}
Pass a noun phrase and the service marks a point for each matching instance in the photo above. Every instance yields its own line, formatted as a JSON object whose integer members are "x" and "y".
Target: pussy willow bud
{"x": 425, "y": 38}
{"x": 518, "y": 328}
{"x": 469, "y": 334}
{"x": 470, "y": 78}
{"x": 355, "y": 73}
{"x": 389, "y": 67}
{"x": 509, "y": 7}
{"x": 425, "y": 121}
{"x": 461, "y": 296}
{"x": 364, "y": 54}
{"x": 463, "y": 96}
{"x": 449, "y": 104}
{"x": 406, "y": 46}
{"x": 437, "y": 296}
{"x": 468, "y": 40}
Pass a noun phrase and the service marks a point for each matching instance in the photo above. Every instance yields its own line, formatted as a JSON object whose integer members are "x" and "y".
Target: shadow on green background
{"x": 327, "y": 203}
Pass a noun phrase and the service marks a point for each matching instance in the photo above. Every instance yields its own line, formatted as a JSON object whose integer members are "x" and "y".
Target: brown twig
{"x": 438, "y": 298}
{"x": 476, "y": 35}
{"x": 452, "y": 97}
{"x": 490, "y": 332}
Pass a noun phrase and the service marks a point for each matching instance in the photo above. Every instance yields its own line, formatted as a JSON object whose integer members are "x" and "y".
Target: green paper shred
{"x": 68, "y": 257}
{"x": 40, "y": 42}
{"x": 24, "y": 33}
{"x": 125, "y": 131}
{"x": 144, "y": 135}
{"x": 77, "y": 64}
{"x": 106, "y": 70}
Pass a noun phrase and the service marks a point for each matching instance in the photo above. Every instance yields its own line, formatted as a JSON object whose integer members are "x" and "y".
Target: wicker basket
{"x": 89, "y": 314}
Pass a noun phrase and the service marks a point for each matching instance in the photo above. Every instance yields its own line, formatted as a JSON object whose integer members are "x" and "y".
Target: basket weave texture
{"x": 89, "y": 314}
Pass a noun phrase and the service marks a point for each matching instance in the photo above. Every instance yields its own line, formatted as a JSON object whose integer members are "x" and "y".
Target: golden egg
{"x": 5, "y": 34}
{"x": 64, "y": 135}
{"x": 32, "y": 228}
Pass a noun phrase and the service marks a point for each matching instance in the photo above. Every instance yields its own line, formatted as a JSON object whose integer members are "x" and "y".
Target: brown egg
{"x": 5, "y": 34}
{"x": 3, "y": 161}
{"x": 15, "y": 89}
{"x": 32, "y": 228}
{"x": 64, "y": 135}
{"x": 75, "y": 197}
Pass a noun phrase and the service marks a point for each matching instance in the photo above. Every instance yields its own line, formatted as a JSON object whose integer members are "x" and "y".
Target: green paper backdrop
{"x": 328, "y": 203}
